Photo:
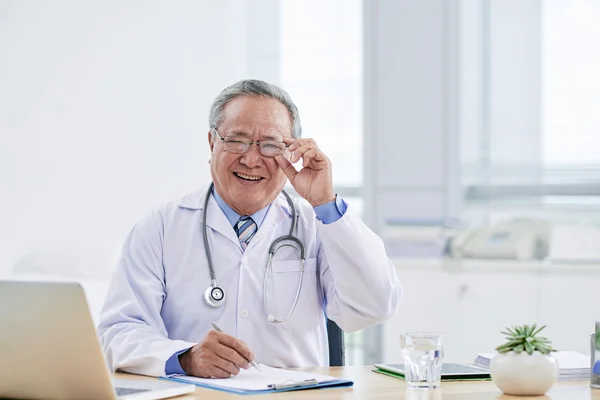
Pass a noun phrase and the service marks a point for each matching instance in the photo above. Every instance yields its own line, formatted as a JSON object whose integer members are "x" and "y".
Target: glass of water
{"x": 423, "y": 356}
{"x": 595, "y": 361}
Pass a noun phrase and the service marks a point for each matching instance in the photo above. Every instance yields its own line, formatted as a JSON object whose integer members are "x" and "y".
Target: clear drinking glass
{"x": 423, "y": 355}
{"x": 595, "y": 362}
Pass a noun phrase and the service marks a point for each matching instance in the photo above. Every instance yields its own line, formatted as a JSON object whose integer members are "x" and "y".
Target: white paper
{"x": 571, "y": 360}
{"x": 252, "y": 379}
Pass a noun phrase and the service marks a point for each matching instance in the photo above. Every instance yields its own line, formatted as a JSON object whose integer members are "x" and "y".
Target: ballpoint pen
{"x": 216, "y": 328}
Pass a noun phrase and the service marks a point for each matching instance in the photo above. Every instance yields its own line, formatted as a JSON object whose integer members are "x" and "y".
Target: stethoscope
{"x": 215, "y": 295}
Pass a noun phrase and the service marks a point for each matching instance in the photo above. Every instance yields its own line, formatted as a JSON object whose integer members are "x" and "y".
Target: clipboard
{"x": 269, "y": 380}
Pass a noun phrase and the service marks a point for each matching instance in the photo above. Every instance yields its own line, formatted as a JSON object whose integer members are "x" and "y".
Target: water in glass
{"x": 595, "y": 358}
{"x": 423, "y": 357}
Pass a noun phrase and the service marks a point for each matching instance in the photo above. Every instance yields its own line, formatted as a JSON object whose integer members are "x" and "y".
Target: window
{"x": 532, "y": 143}
{"x": 321, "y": 68}
{"x": 571, "y": 83}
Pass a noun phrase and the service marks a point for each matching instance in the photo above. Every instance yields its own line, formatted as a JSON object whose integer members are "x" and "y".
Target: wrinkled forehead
{"x": 256, "y": 116}
{"x": 256, "y": 131}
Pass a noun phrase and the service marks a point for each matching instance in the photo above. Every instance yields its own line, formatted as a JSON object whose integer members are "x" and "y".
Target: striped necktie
{"x": 245, "y": 229}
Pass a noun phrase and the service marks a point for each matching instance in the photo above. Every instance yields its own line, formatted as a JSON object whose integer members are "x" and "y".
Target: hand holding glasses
{"x": 313, "y": 182}
{"x": 237, "y": 144}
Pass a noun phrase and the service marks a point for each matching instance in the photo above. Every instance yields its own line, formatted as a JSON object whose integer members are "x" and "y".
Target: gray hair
{"x": 253, "y": 87}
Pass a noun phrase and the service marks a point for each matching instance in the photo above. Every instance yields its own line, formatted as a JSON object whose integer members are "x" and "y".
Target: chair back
{"x": 335, "y": 337}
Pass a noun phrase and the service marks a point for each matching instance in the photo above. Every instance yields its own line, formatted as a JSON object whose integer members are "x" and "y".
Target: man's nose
{"x": 252, "y": 158}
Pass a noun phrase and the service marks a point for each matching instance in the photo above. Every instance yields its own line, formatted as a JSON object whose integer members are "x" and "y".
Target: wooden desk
{"x": 369, "y": 385}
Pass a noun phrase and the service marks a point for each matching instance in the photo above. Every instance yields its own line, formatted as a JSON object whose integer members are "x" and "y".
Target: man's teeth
{"x": 248, "y": 177}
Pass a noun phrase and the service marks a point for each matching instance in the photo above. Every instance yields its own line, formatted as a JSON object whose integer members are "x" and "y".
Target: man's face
{"x": 250, "y": 181}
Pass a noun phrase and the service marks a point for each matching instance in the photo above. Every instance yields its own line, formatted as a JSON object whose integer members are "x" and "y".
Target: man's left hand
{"x": 313, "y": 181}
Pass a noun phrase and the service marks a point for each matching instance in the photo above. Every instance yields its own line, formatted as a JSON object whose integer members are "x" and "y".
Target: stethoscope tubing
{"x": 272, "y": 250}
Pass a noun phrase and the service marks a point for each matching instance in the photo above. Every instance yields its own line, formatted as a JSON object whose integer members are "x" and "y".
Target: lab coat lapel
{"x": 215, "y": 218}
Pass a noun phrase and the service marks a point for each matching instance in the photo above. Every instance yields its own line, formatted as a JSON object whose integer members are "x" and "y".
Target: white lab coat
{"x": 155, "y": 305}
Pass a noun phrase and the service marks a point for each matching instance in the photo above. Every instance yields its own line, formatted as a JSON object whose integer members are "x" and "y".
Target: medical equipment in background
{"x": 514, "y": 239}
{"x": 418, "y": 238}
{"x": 518, "y": 238}
{"x": 215, "y": 296}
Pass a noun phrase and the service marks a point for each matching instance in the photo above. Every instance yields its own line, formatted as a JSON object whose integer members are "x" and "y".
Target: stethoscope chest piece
{"x": 214, "y": 296}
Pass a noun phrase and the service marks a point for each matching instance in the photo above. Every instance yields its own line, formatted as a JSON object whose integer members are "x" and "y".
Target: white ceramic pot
{"x": 524, "y": 374}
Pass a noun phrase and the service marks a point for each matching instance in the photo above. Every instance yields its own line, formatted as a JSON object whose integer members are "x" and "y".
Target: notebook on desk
{"x": 450, "y": 371}
{"x": 267, "y": 380}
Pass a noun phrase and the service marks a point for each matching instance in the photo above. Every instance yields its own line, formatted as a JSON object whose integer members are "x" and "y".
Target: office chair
{"x": 335, "y": 337}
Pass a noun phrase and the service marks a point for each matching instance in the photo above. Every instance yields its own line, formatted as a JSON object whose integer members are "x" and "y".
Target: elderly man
{"x": 242, "y": 255}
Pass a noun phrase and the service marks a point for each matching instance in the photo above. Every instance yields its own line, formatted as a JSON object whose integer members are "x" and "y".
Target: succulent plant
{"x": 523, "y": 338}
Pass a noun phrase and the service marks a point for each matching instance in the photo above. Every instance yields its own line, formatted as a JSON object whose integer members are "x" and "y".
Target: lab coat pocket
{"x": 286, "y": 277}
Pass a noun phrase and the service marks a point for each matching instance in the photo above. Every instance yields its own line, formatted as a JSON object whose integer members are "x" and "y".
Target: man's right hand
{"x": 219, "y": 355}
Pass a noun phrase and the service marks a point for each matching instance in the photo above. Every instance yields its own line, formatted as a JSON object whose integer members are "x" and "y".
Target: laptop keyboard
{"x": 125, "y": 391}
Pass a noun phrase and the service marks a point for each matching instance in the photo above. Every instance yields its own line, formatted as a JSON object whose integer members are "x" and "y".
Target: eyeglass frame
{"x": 251, "y": 142}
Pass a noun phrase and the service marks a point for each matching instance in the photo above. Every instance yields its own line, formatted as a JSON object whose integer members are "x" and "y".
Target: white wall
{"x": 411, "y": 111}
{"x": 103, "y": 114}
{"x": 411, "y": 117}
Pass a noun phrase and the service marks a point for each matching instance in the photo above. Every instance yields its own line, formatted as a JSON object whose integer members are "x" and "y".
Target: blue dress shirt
{"x": 327, "y": 213}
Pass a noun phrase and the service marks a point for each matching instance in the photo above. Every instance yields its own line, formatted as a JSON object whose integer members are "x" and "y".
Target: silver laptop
{"x": 49, "y": 348}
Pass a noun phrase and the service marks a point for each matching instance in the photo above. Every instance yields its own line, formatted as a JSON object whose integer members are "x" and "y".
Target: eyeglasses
{"x": 236, "y": 144}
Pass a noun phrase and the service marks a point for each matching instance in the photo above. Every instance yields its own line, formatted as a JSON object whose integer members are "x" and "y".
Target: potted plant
{"x": 524, "y": 365}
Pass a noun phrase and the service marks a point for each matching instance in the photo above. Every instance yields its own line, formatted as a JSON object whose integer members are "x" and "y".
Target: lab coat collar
{"x": 194, "y": 200}
{"x": 216, "y": 219}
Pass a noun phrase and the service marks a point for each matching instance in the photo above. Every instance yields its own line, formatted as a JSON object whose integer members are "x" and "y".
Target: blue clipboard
{"x": 286, "y": 386}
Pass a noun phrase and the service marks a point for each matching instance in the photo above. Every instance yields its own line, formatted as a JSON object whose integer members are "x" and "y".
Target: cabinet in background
{"x": 472, "y": 305}
{"x": 489, "y": 302}
{"x": 429, "y": 303}
{"x": 569, "y": 305}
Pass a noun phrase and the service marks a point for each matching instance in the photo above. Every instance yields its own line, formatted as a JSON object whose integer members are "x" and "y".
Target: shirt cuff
{"x": 173, "y": 366}
{"x": 330, "y": 212}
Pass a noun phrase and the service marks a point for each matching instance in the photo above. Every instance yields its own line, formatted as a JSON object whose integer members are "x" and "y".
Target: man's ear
{"x": 211, "y": 142}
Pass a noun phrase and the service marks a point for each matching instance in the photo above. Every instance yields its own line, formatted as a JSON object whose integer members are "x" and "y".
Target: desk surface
{"x": 369, "y": 385}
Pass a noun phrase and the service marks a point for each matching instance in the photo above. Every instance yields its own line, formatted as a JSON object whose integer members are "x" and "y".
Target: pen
{"x": 293, "y": 384}
{"x": 216, "y": 328}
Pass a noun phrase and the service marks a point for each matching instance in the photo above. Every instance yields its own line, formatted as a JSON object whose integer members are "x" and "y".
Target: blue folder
{"x": 275, "y": 388}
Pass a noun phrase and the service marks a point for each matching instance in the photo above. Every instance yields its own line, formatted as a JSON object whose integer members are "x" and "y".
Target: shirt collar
{"x": 233, "y": 217}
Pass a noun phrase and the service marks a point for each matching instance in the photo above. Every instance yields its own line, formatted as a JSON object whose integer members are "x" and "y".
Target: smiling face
{"x": 250, "y": 181}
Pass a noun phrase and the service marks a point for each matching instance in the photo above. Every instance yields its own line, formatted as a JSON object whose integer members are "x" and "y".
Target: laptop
{"x": 49, "y": 348}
